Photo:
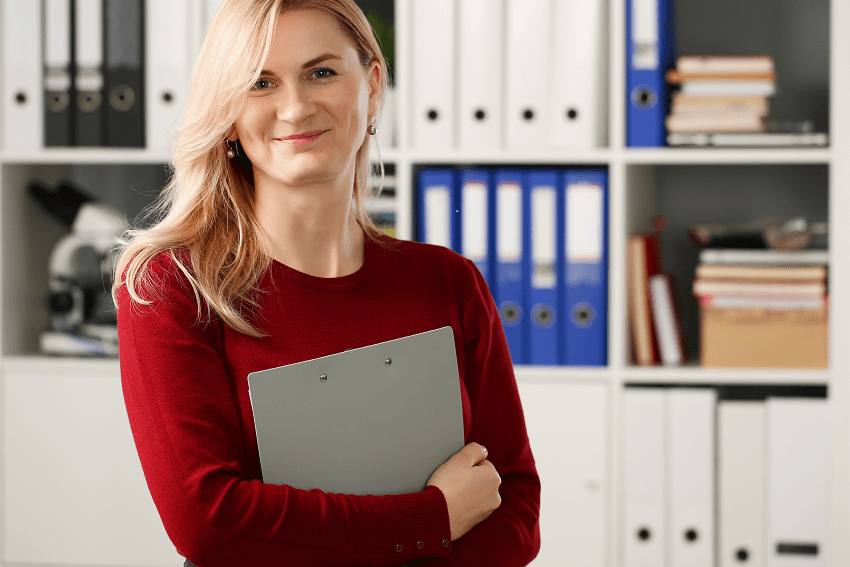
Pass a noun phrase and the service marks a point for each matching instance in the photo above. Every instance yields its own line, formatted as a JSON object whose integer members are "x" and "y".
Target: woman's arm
{"x": 187, "y": 430}
{"x": 510, "y": 537}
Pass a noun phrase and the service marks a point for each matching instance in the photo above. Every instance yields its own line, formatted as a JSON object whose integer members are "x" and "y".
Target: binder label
{"x": 509, "y": 217}
{"x": 474, "y": 232}
{"x": 645, "y": 34}
{"x": 543, "y": 242}
{"x": 584, "y": 223}
{"x": 437, "y": 223}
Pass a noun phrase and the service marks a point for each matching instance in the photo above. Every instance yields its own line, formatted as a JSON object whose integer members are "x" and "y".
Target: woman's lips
{"x": 301, "y": 139}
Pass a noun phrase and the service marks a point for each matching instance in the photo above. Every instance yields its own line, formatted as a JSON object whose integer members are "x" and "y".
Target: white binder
{"x": 432, "y": 69}
{"x": 690, "y": 445}
{"x": 23, "y": 96}
{"x": 572, "y": 469}
{"x": 480, "y": 47}
{"x": 577, "y": 105}
{"x": 797, "y": 482}
{"x": 528, "y": 68}
{"x": 645, "y": 465}
{"x": 167, "y": 67}
{"x": 741, "y": 467}
{"x": 89, "y": 79}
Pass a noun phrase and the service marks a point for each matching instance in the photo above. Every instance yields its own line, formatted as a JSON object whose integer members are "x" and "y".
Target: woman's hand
{"x": 470, "y": 485}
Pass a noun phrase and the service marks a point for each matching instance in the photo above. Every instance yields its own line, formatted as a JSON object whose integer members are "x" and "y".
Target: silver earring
{"x": 372, "y": 130}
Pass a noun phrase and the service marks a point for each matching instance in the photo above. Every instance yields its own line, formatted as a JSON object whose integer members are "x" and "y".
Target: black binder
{"x": 124, "y": 27}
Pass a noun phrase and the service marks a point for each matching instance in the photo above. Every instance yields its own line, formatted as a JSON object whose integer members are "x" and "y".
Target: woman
{"x": 264, "y": 256}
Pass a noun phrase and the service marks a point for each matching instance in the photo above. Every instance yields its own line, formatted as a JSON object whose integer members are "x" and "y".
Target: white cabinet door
{"x": 567, "y": 427}
{"x": 74, "y": 492}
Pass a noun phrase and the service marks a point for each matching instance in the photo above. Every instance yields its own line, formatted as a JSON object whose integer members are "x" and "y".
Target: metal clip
{"x": 323, "y": 377}
{"x": 388, "y": 361}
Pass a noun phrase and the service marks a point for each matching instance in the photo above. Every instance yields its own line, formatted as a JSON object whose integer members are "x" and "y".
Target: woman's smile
{"x": 301, "y": 139}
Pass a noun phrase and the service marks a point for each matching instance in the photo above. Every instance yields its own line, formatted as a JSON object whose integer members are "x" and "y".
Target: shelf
{"x": 531, "y": 156}
{"x": 87, "y": 156}
{"x": 694, "y": 374}
{"x": 675, "y": 156}
{"x": 561, "y": 374}
{"x": 68, "y": 367}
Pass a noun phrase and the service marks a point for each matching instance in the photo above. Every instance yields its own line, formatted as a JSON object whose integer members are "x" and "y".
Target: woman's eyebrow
{"x": 319, "y": 59}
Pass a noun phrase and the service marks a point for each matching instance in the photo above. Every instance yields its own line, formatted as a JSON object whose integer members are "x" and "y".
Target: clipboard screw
{"x": 388, "y": 361}
{"x": 323, "y": 377}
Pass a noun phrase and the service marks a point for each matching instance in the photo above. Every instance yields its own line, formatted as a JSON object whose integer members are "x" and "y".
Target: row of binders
{"x": 745, "y": 480}
{"x": 97, "y": 73}
{"x": 539, "y": 238}
{"x": 508, "y": 73}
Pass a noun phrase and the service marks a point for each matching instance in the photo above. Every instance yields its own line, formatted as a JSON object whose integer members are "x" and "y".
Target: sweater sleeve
{"x": 185, "y": 423}
{"x": 510, "y": 537}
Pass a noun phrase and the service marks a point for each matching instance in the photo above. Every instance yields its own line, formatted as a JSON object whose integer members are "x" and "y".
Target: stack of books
{"x": 762, "y": 308}
{"x": 721, "y": 93}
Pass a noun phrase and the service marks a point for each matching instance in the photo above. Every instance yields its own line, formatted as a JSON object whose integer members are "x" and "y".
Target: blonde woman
{"x": 262, "y": 255}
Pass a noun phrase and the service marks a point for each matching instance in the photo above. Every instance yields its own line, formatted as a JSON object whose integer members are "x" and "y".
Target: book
{"x": 644, "y": 261}
{"x": 738, "y": 122}
{"x": 681, "y": 101}
{"x": 762, "y": 273}
{"x": 666, "y": 320}
{"x": 743, "y": 64}
{"x": 676, "y": 76}
{"x": 729, "y": 87}
{"x": 764, "y": 257}
{"x": 743, "y": 288}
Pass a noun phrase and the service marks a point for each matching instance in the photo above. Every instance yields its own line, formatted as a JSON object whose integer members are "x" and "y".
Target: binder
{"x": 577, "y": 107}
{"x": 23, "y": 96}
{"x": 585, "y": 267}
{"x": 644, "y": 430}
{"x": 740, "y": 483}
{"x": 88, "y": 79}
{"x": 125, "y": 117}
{"x": 167, "y": 68}
{"x": 58, "y": 125}
{"x": 510, "y": 259}
{"x": 541, "y": 229}
{"x": 438, "y": 202}
{"x": 797, "y": 482}
{"x": 480, "y": 46}
{"x": 650, "y": 44}
{"x": 528, "y": 66}
{"x": 475, "y": 230}
{"x": 690, "y": 446}
{"x": 432, "y": 69}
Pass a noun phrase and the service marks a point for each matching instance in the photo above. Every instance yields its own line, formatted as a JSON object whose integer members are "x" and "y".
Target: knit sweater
{"x": 186, "y": 391}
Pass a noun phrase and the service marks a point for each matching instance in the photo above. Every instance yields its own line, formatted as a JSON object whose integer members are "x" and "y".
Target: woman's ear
{"x": 374, "y": 88}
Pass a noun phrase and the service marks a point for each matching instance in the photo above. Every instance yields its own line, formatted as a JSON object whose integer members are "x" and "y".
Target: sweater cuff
{"x": 421, "y": 525}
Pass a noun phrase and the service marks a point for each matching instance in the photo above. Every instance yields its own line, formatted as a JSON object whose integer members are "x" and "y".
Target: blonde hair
{"x": 207, "y": 208}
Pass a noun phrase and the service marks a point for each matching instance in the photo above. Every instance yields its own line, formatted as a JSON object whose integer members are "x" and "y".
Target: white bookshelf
{"x": 635, "y": 194}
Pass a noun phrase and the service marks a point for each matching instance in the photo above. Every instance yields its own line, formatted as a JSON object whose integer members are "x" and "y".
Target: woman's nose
{"x": 295, "y": 104}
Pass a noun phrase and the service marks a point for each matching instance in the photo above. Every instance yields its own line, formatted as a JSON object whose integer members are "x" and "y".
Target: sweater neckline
{"x": 342, "y": 283}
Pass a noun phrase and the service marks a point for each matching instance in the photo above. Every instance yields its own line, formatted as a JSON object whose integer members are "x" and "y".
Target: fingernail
{"x": 484, "y": 448}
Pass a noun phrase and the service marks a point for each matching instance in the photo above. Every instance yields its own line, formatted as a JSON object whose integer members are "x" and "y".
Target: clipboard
{"x": 374, "y": 420}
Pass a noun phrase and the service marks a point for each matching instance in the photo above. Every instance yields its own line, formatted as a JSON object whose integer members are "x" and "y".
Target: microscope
{"x": 82, "y": 317}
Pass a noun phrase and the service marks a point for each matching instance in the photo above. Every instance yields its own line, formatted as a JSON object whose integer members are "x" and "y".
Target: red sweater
{"x": 186, "y": 390}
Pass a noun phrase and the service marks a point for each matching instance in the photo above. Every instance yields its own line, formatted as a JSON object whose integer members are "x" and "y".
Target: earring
{"x": 372, "y": 130}
{"x": 231, "y": 153}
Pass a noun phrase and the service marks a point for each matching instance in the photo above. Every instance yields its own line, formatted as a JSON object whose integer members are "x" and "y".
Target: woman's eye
{"x": 324, "y": 73}
{"x": 262, "y": 84}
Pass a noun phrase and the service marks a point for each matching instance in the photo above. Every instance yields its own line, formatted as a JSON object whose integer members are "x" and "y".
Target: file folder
{"x": 432, "y": 72}
{"x": 341, "y": 423}
{"x": 585, "y": 290}
{"x": 438, "y": 206}
{"x": 476, "y": 224}
{"x": 541, "y": 229}
{"x": 510, "y": 290}
{"x": 125, "y": 117}
{"x": 58, "y": 121}
{"x": 740, "y": 486}
{"x": 798, "y": 436}
{"x": 23, "y": 65}
{"x": 644, "y": 432}
{"x": 690, "y": 446}
{"x": 651, "y": 50}
{"x": 480, "y": 46}
{"x": 577, "y": 109}
{"x": 528, "y": 68}
{"x": 572, "y": 469}
{"x": 167, "y": 68}
{"x": 88, "y": 81}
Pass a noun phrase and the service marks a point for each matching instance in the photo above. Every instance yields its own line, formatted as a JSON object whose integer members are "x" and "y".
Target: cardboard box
{"x": 764, "y": 338}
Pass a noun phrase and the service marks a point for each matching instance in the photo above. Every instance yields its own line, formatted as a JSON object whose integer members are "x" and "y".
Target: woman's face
{"x": 306, "y": 116}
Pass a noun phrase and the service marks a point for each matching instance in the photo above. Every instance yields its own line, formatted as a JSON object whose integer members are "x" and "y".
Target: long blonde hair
{"x": 207, "y": 208}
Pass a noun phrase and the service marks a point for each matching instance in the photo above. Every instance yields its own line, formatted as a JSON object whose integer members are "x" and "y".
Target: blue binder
{"x": 509, "y": 291}
{"x": 651, "y": 50}
{"x": 477, "y": 225}
{"x": 585, "y": 268}
{"x": 541, "y": 233}
{"x": 439, "y": 218}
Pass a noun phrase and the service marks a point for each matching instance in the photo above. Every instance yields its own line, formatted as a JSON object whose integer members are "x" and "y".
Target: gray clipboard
{"x": 373, "y": 420}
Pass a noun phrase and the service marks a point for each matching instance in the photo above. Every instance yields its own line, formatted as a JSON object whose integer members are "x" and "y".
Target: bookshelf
{"x": 808, "y": 40}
